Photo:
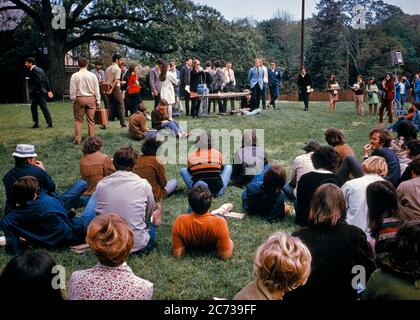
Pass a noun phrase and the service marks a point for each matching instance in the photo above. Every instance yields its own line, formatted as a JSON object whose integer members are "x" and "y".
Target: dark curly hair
{"x": 150, "y": 147}
{"x": 91, "y": 145}
{"x": 325, "y": 158}
{"x": 334, "y": 137}
{"x": 385, "y": 136}
{"x": 404, "y": 258}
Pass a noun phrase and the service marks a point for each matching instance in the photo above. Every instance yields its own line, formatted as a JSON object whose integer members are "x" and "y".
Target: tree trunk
{"x": 56, "y": 53}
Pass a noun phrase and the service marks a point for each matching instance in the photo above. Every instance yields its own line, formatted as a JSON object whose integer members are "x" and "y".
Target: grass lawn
{"x": 194, "y": 276}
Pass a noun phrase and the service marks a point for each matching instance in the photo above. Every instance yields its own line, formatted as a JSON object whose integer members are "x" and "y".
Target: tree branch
{"x": 8, "y": 8}
{"x": 30, "y": 12}
{"x": 86, "y": 37}
{"x": 133, "y": 45}
{"x": 76, "y": 13}
{"x": 108, "y": 17}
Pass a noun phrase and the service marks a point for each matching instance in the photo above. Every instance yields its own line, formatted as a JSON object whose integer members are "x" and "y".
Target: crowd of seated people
{"x": 347, "y": 212}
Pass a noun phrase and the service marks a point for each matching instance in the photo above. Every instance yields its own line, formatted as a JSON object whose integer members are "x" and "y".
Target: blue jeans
{"x": 71, "y": 197}
{"x": 225, "y": 176}
{"x": 288, "y": 191}
{"x": 173, "y": 126}
{"x": 88, "y": 214}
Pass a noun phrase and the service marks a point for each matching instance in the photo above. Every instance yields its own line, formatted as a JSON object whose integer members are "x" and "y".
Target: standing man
{"x": 305, "y": 87}
{"x": 113, "y": 76}
{"x": 155, "y": 83}
{"x": 39, "y": 89}
{"x": 84, "y": 92}
{"x": 185, "y": 83}
{"x": 229, "y": 85}
{"x": 274, "y": 83}
{"x": 256, "y": 82}
{"x": 103, "y": 85}
{"x": 264, "y": 93}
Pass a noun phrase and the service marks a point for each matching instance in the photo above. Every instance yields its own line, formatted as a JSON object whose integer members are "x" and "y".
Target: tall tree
{"x": 325, "y": 55}
{"x": 155, "y": 26}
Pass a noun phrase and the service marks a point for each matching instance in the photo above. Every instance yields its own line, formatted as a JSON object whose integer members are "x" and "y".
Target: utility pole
{"x": 302, "y": 35}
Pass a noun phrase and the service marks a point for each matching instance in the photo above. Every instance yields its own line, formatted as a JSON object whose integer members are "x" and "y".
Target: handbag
{"x": 202, "y": 89}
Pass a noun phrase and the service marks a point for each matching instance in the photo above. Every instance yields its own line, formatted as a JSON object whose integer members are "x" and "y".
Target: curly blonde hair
{"x": 282, "y": 263}
{"x": 110, "y": 238}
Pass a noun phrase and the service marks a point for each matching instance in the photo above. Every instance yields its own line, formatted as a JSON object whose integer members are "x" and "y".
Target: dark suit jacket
{"x": 38, "y": 82}
{"x": 184, "y": 76}
{"x": 303, "y": 82}
{"x": 274, "y": 77}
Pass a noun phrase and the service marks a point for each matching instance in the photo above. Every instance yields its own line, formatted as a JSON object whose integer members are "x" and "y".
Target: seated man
{"x": 325, "y": 161}
{"x": 42, "y": 220}
{"x": 201, "y": 230}
{"x": 131, "y": 197}
{"x": 26, "y": 164}
{"x": 137, "y": 128}
{"x": 206, "y": 168}
{"x": 265, "y": 197}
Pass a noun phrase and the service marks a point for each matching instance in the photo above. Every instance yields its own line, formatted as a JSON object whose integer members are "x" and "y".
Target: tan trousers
{"x": 81, "y": 106}
{"x": 116, "y": 98}
{"x": 358, "y": 100}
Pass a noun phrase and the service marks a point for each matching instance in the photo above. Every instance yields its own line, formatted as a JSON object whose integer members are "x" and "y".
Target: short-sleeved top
{"x": 110, "y": 283}
{"x": 133, "y": 87}
{"x": 113, "y": 72}
{"x": 205, "y": 232}
{"x": 93, "y": 168}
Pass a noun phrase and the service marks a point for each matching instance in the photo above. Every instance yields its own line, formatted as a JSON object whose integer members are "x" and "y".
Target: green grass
{"x": 194, "y": 276}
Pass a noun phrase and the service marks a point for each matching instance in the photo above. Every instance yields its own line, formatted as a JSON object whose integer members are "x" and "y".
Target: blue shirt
{"x": 258, "y": 201}
{"x": 43, "y": 222}
{"x": 394, "y": 170}
{"x": 21, "y": 170}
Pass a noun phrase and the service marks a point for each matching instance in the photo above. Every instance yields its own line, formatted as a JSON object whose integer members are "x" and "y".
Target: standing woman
{"x": 359, "y": 90}
{"x": 332, "y": 88}
{"x": 167, "y": 90}
{"x": 372, "y": 92}
{"x": 197, "y": 77}
{"x": 133, "y": 90}
{"x": 305, "y": 87}
{"x": 388, "y": 86}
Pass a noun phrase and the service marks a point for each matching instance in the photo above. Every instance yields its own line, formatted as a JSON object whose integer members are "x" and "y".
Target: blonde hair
{"x": 327, "y": 206}
{"x": 376, "y": 165}
{"x": 282, "y": 263}
{"x": 110, "y": 238}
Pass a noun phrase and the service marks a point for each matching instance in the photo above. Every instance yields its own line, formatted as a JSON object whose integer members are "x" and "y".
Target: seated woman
{"x": 29, "y": 277}
{"x": 42, "y": 220}
{"x": 206, "y": 168}
{"x": 94, "y": 166}
{"x": 150, "y": 168}
{"x": 380, "y": 141}
{"x": 248, "y": 161}
{"x": 266, "y": 198}
{"x": 406, "y": 131}
{"x": 348, "y": 165}
{"x": 111, "y": 240}
{"x": 281, "y": 264}
{"x": 160, "y": 120}
{"x": 137, "y": 128}
{"x": 412, "y": 148}
{"x": 384, "y": 216}
{"x": 399, "y": 274}
{"x": 335, "y": 246}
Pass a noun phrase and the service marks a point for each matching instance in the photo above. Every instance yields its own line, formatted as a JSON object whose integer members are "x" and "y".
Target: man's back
{"x": 126, "y": 194}
{"x": 201, "y": 232}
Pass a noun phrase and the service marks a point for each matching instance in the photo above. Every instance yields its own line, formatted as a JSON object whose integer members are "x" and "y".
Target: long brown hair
{"x": 327, "y": 206}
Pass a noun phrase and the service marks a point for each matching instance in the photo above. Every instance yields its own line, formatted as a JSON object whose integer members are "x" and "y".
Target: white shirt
{"x": 402, "y": 88}
{"x": 84, "y": 84}
{"x": 355, "y": 195}
{"x": 130, "y": 196}
{"x": 229, "y": 76}
{"x": 301, "y": 164}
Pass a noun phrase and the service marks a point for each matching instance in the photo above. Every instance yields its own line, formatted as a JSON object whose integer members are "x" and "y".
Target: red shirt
{"x": 133, "y": 87}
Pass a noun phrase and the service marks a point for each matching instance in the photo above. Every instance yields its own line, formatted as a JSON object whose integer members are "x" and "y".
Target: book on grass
{"x": 235, "y": 215}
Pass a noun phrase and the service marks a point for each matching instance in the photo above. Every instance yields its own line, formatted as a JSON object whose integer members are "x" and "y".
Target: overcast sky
{"x": 232, "y": 9}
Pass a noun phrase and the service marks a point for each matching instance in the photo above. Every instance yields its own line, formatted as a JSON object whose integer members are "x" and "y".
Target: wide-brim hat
{"x": 25, "y": 151}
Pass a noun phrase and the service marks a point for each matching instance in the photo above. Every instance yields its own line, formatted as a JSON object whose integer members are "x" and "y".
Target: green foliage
{"x": 287, "y": 128}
